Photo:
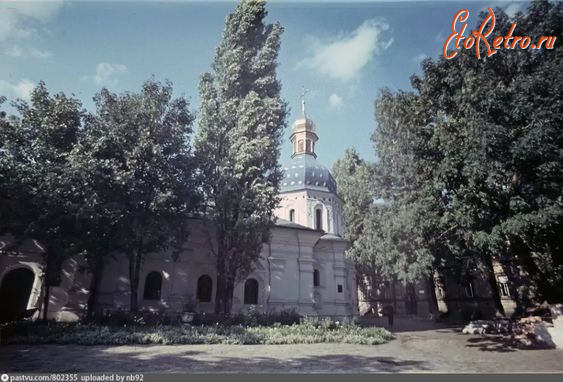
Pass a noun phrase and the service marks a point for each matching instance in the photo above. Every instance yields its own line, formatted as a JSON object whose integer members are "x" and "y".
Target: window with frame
{"x": 318, "y": 219}
{"x": 316, "y": 278}
{"x": 292, "y": 215}
{"x": 204, "y": 288}
{"x": 251, "y": 292}
{"x": 308, "y": 146}
{"x": 300, "y": 146}
{"x": 153, "y": 286}
{"x": 503, "y": 289}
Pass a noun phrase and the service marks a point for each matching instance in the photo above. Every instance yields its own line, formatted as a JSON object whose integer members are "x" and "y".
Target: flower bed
{"x": 306, "y": 332}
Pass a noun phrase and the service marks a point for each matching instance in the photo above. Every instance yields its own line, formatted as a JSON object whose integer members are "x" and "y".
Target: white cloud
{"x": 21, "y": 89}
{"x": 335, "y": 101}
{"x": 440, "y": 37}
{"x": 13, "y": 51}
{"x": 106, "y": 74}
{"x": 419, "y": 57}
{"x": 344, "y": 57}
{"x": 512, "y": 9}
{"x": 38, "y": 53}
{"x": 17, "y": 51}
{"x": 15, "y": 16}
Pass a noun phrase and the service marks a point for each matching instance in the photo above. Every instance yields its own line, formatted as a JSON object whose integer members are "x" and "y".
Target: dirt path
{"x": 422, "y": 351}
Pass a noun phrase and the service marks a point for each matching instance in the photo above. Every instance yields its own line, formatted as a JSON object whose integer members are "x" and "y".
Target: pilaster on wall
{"x": 277, "y": 268}
{"x": 306, "y": 281}
{"x": 339, "y": 269}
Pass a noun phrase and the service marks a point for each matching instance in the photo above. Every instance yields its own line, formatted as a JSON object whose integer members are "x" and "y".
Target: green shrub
{"x": 310, "y": 331}
{"x": 252, "y": 318}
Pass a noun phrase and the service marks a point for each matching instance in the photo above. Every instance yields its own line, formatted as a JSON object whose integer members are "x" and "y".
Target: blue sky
{"x": 344, "y": 53}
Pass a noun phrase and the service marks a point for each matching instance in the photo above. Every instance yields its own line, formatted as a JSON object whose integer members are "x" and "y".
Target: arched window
{"x": 153, "y": 286}
{"x": 251, "y": 292}
{"x": 308, "y": 146}
{"x": 300, "y": 147}
{"x": 204, "y": 288}
{"x": 316, "y": 278}
{"x": 292, "y": 215}
{"x": 319, "y": 219}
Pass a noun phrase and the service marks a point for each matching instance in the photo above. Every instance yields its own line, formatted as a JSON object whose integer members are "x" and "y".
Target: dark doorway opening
{"x": 14, "y": 293}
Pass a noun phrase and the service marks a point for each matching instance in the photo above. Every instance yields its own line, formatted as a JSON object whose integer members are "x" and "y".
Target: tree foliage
{"x": 35, "y": 193}
{"x": 475, "y": 152}
{"x": 135, "y": 161}
{"x": 238, "y": 140}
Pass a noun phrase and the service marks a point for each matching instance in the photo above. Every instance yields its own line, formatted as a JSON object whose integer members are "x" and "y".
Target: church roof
{"x": 303, "y": 171}
{"x": 287, "y": 224}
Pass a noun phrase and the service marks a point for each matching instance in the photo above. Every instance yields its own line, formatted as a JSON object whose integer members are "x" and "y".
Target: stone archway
{"x": 15, "y": 292}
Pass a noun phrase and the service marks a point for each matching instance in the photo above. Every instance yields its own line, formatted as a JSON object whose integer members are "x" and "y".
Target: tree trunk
{"x": 228, "y": 299}
{"x": 46, "y": 298}
{"x": 225, "y": 279}
{"x": 50, "y": 269}
{"x": 94, "y": 287}
{"x": 219, "y": 292}
{"x": 134, "y": 273}
{"x": 394, "y": 295}
{"x": 495, "y": 293}
{"x": 224, "y": 293}
{"x": 220, "y": 267}
{"x": 431, "y": 290}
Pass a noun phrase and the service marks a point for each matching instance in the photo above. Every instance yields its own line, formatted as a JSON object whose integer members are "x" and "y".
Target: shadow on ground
{"x": 99, "y": 358}
{"x": 493, "y": 343}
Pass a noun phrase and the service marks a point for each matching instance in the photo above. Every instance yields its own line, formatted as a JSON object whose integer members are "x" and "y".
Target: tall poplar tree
{"x": 238, "y": 144}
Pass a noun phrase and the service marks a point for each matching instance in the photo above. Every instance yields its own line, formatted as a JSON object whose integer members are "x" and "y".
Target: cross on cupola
{"x": 303, "y": 92}
{"x": 303, "y": 136}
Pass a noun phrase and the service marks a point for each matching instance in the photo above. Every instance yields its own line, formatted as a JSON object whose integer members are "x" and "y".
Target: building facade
{"x": 303, "y": 267}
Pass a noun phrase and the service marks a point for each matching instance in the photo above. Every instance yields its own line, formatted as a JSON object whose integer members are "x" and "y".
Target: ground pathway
{"x": 437, "y": 350}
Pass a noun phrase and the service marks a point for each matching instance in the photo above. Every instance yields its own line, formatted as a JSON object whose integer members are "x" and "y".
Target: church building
{"x": 303, "y": 267}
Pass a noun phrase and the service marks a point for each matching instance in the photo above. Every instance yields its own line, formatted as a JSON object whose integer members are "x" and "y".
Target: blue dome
{"x": 304, "y": 172}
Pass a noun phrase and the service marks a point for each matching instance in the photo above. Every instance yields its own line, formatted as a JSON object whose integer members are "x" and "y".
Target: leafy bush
{"x": 309, "y": 331}
{"x": 253, "y": 318}
{"x": 121, "y": 318}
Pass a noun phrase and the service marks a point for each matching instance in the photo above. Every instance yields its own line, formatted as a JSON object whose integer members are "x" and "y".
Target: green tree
{"x": 355, "y": 178}
{"x": 504, "y": 178}
{"x": 136, "y": 161}
{"x": 35, "y": 191}
{"x": 477, "y": 147}
{"x": 238, "y": 142}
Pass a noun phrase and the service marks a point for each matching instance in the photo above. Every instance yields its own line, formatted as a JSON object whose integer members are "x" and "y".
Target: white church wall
{"x": 338, "y": 285}
{"x": 284, "y": 275}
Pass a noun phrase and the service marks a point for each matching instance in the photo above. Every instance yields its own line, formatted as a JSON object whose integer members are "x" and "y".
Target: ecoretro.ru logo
{"x": 477, "y": 37}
